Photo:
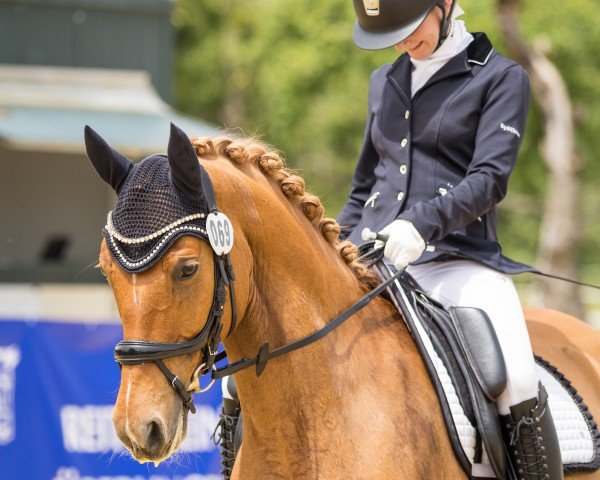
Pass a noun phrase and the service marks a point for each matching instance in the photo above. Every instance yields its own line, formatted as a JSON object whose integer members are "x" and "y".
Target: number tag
{"x": 220, "y": 232}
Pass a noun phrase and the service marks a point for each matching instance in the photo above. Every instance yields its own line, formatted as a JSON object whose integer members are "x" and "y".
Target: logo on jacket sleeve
{"x": 508, "y": 128}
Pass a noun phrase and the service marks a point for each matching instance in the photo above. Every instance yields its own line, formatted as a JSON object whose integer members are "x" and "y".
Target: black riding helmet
{"x": 384, "y": 23}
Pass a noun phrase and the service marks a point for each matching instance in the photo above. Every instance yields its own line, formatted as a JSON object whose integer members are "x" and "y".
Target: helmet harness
{"x": 445, "y": 23}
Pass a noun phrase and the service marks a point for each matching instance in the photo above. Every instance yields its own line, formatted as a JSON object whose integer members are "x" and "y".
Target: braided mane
{"x": 271, "y": 164}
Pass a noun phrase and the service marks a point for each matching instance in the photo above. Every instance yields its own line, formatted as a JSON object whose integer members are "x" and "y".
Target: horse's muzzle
{"x": 147, "y": 439}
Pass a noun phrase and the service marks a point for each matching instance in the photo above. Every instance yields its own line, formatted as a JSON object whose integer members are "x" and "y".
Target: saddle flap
{"x": 484, "y": 409}
{"x": 481, "y": 348}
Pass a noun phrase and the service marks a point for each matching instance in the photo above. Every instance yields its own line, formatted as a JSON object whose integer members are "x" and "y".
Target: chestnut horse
{"x": 357, "y": 404}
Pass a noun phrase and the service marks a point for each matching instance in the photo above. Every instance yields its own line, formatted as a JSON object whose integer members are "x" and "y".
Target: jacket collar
{"x": 478, "y": 53}
{"x": 480, "y": 50}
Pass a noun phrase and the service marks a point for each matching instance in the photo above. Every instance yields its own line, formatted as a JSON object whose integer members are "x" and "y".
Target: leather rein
{"x": 134, "y": 352}
{"x": 264, "y": 354}
{"x": 137, "y": 352}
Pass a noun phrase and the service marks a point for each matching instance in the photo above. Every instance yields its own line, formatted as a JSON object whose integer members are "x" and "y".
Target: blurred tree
{"x": 288, "y": 71}
{"x": 560, "y": 231}
{"x": 284, "y": 71}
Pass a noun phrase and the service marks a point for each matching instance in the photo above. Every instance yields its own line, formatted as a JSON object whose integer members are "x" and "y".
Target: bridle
{"x": 134, "y": 352}
{"x": 137, "y": 352}
{"x": 131, "y": 352}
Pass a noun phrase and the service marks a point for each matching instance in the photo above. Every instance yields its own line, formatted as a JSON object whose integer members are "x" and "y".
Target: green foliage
{"x": 293, "y": 73}
{"x": 288, "y": 71}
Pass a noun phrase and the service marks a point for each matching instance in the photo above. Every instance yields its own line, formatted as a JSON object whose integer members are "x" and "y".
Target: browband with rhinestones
{"x": 148, "y": 258}
{"x": 133, "y": 241}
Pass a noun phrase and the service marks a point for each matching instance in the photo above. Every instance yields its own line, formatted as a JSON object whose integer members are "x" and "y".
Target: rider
{"x": 445, "y": 123}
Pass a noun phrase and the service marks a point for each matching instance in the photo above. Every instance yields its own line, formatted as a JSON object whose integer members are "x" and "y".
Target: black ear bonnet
{"x": 159, "y": 199}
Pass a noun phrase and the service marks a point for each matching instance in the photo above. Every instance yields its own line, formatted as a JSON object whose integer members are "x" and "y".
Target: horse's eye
{"x": 188, "y": 270}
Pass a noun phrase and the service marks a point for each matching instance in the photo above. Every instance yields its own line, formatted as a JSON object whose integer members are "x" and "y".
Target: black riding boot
{"x": 228, "y": 432}
{"x": 531, "y": 439}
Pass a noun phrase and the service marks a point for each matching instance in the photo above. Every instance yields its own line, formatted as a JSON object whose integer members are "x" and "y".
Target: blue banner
{"x": 58, "y": 385}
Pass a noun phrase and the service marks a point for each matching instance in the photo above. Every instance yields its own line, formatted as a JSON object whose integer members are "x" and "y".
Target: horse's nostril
{"x": 156, "y": 437}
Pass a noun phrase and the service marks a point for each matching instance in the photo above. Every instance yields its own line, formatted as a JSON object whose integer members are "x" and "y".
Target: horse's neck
{"x": 297, "y": 288}
{"x": 343, "y": 401}
{"x": 344, "y": 393}
{"x": 293, "y": 297}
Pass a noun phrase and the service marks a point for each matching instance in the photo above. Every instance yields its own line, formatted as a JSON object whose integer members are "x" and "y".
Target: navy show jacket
{"x": 442, "y": 158}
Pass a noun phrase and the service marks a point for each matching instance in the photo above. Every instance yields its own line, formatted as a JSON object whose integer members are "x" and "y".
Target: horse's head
{"x": 168, "y": 303}
{"x": 165, "y": 254}
{"x": 166, "y": 259}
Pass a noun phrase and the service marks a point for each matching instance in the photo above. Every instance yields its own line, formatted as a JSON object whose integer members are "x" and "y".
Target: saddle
{"x": 465, "y": 363}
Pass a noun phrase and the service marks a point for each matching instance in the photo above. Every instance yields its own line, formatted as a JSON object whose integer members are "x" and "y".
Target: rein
{"x": 264, "y": 355}
{"x": 134, "y": 352}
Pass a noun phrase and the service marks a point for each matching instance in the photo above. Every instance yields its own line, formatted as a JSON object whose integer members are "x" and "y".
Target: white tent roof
{"x": 46, "y": 108}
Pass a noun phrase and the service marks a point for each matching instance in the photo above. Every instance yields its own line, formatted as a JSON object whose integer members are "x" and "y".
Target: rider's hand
{"x": 405, "y": 244}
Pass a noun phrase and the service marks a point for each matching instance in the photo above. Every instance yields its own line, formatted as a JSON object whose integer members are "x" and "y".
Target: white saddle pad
{"x": 574, "y": 424}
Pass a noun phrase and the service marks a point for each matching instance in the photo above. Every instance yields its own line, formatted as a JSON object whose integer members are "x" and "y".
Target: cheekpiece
{"x": 150, "y": 215}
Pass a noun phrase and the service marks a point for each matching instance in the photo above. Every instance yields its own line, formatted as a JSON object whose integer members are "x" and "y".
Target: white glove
{"x": 405, "y": 244}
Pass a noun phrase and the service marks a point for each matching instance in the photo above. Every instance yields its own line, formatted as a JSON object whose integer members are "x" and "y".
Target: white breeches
{"x": 469, "y": 284}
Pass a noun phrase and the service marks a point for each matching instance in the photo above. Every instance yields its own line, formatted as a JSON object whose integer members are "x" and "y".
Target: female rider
{"x": 445, "y": 122}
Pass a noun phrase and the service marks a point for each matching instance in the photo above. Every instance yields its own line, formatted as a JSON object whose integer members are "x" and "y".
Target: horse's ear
{"x": 185, "y": 167}
{"x": 110, "y": 164}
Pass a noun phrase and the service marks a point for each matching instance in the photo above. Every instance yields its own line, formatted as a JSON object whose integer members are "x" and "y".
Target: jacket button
{"x": 404, "y": 142}
{"x": 400, "y": 196}
{"x": 403, "y": 169}
{"x": 407, "y": 114}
